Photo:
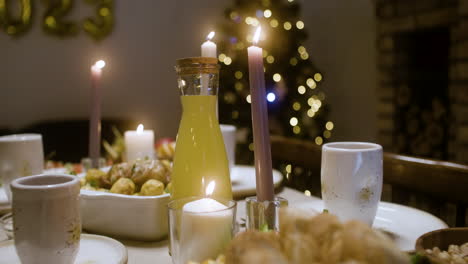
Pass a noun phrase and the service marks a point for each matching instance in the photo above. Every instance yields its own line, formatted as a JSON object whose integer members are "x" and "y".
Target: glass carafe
{"x": 200, "y": 163}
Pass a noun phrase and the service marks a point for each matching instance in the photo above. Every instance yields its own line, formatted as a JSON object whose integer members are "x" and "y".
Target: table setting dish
{"x": 113, "y": 209}
{"x": 92, "y": 249}
{"x": 448, "y": 245}
{"x": 404, "y": 224}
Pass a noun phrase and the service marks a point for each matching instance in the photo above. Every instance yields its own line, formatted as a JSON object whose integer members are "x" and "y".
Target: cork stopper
{"x": 197, "y": 65}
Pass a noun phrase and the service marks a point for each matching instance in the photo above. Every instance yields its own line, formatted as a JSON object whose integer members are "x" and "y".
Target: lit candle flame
{"x": 140, "y": 128}
{"x": 210, "y": 188}
{"x": 100, "y": 64}
{"x": 257, "y": 35}
{"x": 210, "y": 36}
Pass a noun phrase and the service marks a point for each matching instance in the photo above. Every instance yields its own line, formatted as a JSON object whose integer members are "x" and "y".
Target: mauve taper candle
{"x": 261, "y": 133}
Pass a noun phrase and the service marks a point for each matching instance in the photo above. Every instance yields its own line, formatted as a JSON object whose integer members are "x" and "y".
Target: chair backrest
{"x": 67, "y": 140}
{"x": 438, "y": 187}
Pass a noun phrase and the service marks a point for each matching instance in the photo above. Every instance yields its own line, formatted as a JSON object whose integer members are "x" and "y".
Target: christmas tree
{"x": 296, "y": 103}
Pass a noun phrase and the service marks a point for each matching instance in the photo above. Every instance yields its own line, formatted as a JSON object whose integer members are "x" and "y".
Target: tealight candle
{"x": 139, "y": 144}
{"x": 206, "y": 229}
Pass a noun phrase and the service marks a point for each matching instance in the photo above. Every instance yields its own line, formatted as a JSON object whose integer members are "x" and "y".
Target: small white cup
{"x": 46, "y": 218}
{"x": 20, "y": 155}
{"x": 229, "y": 136}
{"x": 351, "y": 178}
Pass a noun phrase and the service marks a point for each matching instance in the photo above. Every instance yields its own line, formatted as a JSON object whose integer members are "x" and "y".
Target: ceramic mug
{"x": 20, "y": 155}
{"x": 229, "y": 136}
{"x": 46, "y": 218}
{"x": 351, "y": 178}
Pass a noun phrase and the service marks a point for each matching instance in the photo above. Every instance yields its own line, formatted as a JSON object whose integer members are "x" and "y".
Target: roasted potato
{"x": 94, "y": 177}
{"x": 152, "y": 187}
{"x": 123, "y": 186}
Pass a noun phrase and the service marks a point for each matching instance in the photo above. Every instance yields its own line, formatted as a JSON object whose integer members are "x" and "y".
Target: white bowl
{"x": 133, "y": 217}
{"x": 125, "y": 216}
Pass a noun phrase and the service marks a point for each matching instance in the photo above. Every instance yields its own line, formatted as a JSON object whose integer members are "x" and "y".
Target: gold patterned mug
{"x": 46, "y": 218}
{"x": 20, "y": 155}
{"x": 351, "y": 180}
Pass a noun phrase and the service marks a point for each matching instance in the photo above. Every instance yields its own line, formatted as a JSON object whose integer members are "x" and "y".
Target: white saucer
{"x": 93, "y": 249}
{"x": 403, "y": 223}
{"x": 244, "y": 182}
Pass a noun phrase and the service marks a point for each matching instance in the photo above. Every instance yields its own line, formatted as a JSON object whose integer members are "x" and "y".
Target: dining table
{"x": 157, "y": 252}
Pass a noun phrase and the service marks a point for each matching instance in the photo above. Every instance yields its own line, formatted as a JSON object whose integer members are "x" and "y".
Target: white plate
{"x": 244, "y": 183}
{"x": 404, "y": 223}
{"x": 93, "y": 249}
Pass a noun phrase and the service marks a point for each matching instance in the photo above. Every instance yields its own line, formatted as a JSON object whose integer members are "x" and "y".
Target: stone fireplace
{"x": 423, "y": 77}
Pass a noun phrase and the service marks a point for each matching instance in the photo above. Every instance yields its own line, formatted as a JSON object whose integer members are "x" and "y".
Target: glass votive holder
{"x": 263, "y": 215}
{"x": 86, "y": 163}
{"x": 200, "y": 228}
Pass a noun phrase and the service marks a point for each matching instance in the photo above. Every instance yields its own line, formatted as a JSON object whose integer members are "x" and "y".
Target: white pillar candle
{"x": 95, "y": 116}
{"x": 139, "y": 144}
{"x": 208, "y": 48}
{"x": 206, "y": 229}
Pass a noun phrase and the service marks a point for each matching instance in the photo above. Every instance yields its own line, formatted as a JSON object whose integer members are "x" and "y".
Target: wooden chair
{"x": 438, "y": 187}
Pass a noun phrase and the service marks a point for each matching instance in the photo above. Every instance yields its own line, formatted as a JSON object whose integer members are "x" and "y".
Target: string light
{"x": 271, "y": 97}
{"x": 270, "y": 59}
{"x": 310, "y": 82}
{"x": 221, "y": 57}
{"x": 302, "y": 107}
{"x": 276, "y": 77}
{"x": 293, "y": 121}
{"x": 227, "y": 60}
{"x": 297, "y": 106}
{"x": 301, "y": 49}
{"x": 293, "y": 61}
{"x": 239, "y": 86}
{"x": 274, "y": 23}
{"x": 300, "y": 24}
{"x": 296, "y": 130}
{"x": 288, "y": 168}
{"x": 318, "y": 140}
{"x": 233, "y": 15}
{"x": 318, "y": 77}
{"x": 301, "y": 89}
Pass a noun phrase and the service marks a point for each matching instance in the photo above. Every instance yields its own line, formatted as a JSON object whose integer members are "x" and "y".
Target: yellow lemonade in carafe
{"x": 200, "y": 163}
